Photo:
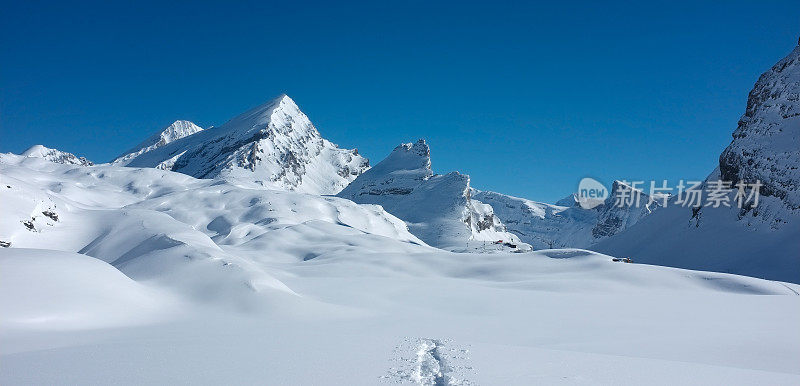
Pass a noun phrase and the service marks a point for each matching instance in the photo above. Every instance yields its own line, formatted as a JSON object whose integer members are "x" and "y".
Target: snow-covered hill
{"x": 761, "y": 240}
{"x": 57, "y": 156}
{"x": 438, "y": 208}
{"x": 567, "y": 224}
{"x": 273, "y": 145}
{"x": 202, "y": 281}
{"x": 169, "y": 134}
{"x": 199, "y": 238}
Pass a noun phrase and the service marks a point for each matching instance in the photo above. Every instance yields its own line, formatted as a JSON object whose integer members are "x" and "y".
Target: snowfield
{"x": 131, "y": 276}
{"x": 257, "y": 275}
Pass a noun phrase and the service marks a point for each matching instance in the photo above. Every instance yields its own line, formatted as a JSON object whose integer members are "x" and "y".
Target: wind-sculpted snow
{"x": 437, "y": 208}
{"x": 73, "y": 292}
{"x": 169, "y": 134}
{"x": 204, "y": 281}
{"x": 273, "y": 145}
{"x": 158, "y": 226}
{"x": 568, "y": 225}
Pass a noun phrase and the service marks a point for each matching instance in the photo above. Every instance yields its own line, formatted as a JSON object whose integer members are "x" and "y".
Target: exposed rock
{"x": 273, "y": 145}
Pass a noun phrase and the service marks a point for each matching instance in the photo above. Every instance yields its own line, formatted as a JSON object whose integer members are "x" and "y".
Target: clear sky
{"x": 526, "y": 99}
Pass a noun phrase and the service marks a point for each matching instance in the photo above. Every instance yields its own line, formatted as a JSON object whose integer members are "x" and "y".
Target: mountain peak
{"x": 408, "y": 156}
{"x": 170, "y": 133}
{"x": 55, "y": 155}
{"x": 437, "y": 208}
{"x": 764, "y": 146}
{"x": 273, "y": 145}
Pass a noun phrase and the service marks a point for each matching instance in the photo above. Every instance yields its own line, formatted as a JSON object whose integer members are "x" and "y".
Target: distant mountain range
{"x": 275, "y": 146}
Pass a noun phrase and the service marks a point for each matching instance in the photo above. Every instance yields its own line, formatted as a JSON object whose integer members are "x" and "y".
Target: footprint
{"x": 430, "y": 362}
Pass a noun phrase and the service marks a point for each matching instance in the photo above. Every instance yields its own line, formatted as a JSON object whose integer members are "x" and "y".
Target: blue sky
{"x": 526, "y": 99}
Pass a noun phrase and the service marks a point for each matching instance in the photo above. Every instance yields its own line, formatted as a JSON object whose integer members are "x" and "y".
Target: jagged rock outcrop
{"x": 273, "y": 145}
{"x": 57, "y": 156}
{"x": 438, "y": 209}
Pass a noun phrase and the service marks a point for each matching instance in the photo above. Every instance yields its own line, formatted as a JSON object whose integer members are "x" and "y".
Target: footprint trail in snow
{"x": 433, "y": 362}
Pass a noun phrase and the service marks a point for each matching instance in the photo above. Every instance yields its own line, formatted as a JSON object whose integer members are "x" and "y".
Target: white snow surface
{"x": 121, "y": 275}
{"x": 175, "y": 131}
{"x": 273, "y": 145}
{"x": 437, "y": 208}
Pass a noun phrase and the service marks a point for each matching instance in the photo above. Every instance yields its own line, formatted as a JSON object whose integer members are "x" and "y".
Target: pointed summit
{"x": 54, "y": 155}
{"x": 437, "y": 208}
{"x": 409, "y": 159}
{"x": 273, "y": 145}
{"x": 171, "y": 133}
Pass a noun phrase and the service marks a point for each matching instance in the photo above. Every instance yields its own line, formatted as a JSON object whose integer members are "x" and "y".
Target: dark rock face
{"x": 766, "y": 143}
{"x": 608, "y": 227}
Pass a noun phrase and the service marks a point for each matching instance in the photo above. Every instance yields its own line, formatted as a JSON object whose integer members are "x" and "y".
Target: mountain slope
{"x": 566, "y": 224}
{"x": 273, "y": 145}
{"x": 760, "y": 240}
{"x": 169, "y": 134}
{"x": 437, "y": 208}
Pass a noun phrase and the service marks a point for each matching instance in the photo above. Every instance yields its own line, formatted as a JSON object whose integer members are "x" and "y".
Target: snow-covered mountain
{"x": 169, "y": 134}
{"x": 438, "y": 209}
{"x": 566, "y": 224}
{"x": 273, "y": 145}
{"x": 57, "y": 156}
{"x": 757, "y": 240}
{"x": 206, "y": 282}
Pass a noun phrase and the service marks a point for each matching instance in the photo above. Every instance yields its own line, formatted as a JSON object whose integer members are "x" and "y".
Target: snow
{"x": 568, "y": 225}
{"x": 437, "y": 208}
{"x": 761, "y": 241}
{"x": 146, "y": 274}
{"x": 169, "y": 134}
{"x": 53, "y": 155}
{"x": 152, "y": 276}
{"x": 65, "y": 291}
{"x": 714, "y": 240}
{"x": 273, "y": 145}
